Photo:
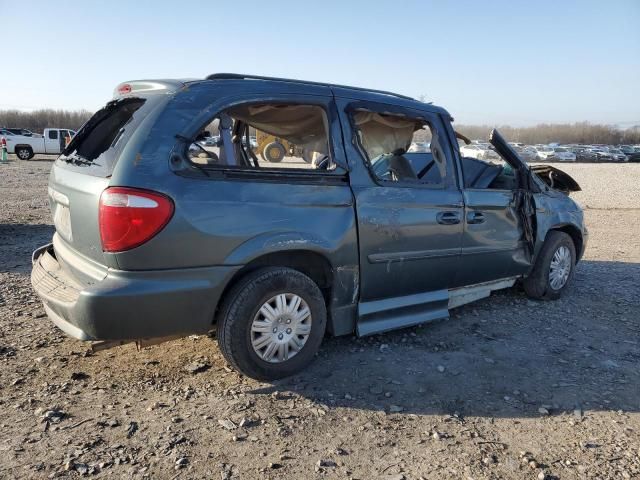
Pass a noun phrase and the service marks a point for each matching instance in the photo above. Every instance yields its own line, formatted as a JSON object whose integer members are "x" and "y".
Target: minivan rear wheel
{"x": 271, "y": 323}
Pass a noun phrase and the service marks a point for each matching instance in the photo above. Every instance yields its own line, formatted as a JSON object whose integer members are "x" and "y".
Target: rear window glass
{"x": 91, "y": 148}
{"x": 99, "y": 137}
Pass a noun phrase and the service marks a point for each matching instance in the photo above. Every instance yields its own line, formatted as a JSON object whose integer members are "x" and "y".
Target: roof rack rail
{"x": 240, "y": 76}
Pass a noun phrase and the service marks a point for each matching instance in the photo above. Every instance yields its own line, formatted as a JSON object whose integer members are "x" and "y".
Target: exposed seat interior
{"x": 401, "y": 167}
{"x": 479, "y": 174}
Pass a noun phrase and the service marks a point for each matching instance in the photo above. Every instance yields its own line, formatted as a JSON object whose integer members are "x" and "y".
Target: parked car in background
{"x": 528, "y": 154}
{"x": 627, "y": 149}
{"x": 562, "y": 154}
{"x": 53, "y": 142}
{"x": 544, "y": 152}
{"x": 584, "y": 154}
{"x": 22, "y": 131}
{"x": 366, "y": 239}
{"x": 602, "y": 154}
{"x": 211, "y": 141}
{"x": 633, "y": 153}
{"x": 479, "y": 151}
{"x": 618, "y": 155}
{"x": 419, "y": 147}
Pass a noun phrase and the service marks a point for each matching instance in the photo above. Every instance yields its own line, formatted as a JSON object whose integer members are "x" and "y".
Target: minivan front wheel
{"x": 271, "y": 323}
{"x": 553, "y": 269}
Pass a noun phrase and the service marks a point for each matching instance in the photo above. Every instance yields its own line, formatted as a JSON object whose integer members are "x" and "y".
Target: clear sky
{"x": 494, "y": 62}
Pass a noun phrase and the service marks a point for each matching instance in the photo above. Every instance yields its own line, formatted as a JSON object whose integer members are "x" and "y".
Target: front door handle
{"x": 475, "y": 217}
{"x": 448, "y": 218}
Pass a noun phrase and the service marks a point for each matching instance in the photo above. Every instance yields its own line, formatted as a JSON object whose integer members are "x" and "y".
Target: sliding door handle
{"x": 475, "y": 218}
{"x": 448, "y": 218}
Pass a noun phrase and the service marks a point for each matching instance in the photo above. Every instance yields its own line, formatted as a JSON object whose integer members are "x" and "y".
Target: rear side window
{"x": 266, "y": 137}
{"x": 53, "y": 134}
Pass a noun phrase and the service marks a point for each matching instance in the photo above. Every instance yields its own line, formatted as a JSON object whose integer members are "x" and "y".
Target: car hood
{"x": 555, "y": 178}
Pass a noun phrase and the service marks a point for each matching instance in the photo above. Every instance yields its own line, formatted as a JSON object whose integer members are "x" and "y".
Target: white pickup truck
{"x": 52, "y": 142}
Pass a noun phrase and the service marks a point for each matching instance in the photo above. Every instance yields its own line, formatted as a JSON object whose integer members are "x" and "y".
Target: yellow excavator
{"x": 274, "y": 149}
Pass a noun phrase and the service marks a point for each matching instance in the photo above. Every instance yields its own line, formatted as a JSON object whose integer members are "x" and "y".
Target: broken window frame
{"x": 271, "y": 170}
{"x": 449, "y": 181}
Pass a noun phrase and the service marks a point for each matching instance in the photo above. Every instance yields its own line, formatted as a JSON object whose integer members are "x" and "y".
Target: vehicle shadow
{"x": 18, "y": 241}
{"x": 504, "y": 356}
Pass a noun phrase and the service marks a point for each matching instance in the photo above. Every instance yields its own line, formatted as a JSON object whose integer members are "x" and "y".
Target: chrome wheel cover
{"x": 560, "y": 268}
{"x": 23, "y": 154}
{"x": 281, "y": 327}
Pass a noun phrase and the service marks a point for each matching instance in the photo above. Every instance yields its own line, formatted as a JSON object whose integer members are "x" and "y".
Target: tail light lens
{"x": 129, "y": 217}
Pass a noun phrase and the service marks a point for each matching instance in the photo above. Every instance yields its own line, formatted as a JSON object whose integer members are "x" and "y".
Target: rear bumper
{"x": 129, "y": 305}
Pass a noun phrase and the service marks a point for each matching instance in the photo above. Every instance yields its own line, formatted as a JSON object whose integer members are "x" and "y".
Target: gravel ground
{"x": 507, "y": 388}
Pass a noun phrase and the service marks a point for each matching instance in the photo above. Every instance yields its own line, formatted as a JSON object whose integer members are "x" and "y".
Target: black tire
{"x": 274, "y": 152}
{"x": 24, "y": 153}
{"x": 241, "y": 305}
{"x": 537, "y": 285}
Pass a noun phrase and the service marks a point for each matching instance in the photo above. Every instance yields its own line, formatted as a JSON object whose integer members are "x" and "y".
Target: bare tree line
{"x": 581, "y": 132}
{"x": 38, "y": 120}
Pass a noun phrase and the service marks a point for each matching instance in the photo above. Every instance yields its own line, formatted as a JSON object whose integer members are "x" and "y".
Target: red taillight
{"x": 129, "y": 217}
{"x": 124, "y": 89}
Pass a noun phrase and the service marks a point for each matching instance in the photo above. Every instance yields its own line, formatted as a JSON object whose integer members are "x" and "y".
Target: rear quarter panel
{"x": 223, "y": 221}
{"x": 231, "y": 222}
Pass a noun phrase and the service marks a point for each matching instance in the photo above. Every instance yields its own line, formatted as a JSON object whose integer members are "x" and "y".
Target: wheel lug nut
{"x": 275, "y": 330}
{"x": 280, "y": 336}
{"x": 288, "y": 320}
{"x": 288, "y": 330}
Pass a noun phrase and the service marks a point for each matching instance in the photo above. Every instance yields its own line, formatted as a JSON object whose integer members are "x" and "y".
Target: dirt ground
{"x": 506, "y": 388}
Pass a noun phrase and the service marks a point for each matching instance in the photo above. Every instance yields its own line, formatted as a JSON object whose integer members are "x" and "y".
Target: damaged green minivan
{"x": 172, "y": 219}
